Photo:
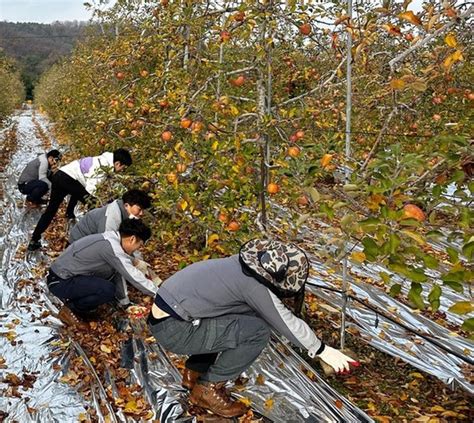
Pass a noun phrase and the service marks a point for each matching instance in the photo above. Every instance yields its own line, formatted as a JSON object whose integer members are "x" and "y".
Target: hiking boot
{"x": 215, "y": 398}
{"x": 190, "y": 378}
{"x": 70, "y": 319}
{"x": 34, "y": 245}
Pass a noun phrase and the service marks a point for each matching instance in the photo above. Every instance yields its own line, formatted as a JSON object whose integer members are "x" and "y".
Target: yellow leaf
{"x": 358, "y": 256}
{"x": 183, "y": 205}
{"x": 214, "y": 146}
{"x": 437, "y": 409}
{"x": 416, "y": 237}
{"x": 212, "y": 238}
{"x": 397, "y": 84}
{"x": 268, "y": 404}
{"x": 462, "y": 307}
{"x": 416, "y": 375}
{"x": 245, "y": 400}
{"x": 325, "y": 160}
{"x": 452, "y": 58}
{"x": 105, "y": 349}
{"x": 410, "y": 17}
{"x": 131, "y": 407}
{"x": 450, "y": 40}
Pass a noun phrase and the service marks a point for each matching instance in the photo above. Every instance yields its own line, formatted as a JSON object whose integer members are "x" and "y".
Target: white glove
{"x": 141, "y": 265}
{"x": 337, "y": 360}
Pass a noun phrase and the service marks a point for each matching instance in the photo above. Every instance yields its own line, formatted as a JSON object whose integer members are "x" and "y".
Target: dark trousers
{"x": 220, "y": 347}
{"x": 62, "y": 185}
{"x": 34, "y": 190}
{"x": 82, "y": 293}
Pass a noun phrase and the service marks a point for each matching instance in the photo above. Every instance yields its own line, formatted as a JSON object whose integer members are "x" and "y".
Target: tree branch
{"x": 379, "y": 139}
{"x": 427, "y": 39}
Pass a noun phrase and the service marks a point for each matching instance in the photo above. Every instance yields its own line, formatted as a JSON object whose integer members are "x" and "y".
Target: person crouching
{"x": 220, "y": 313}
{"x": 84, "y": 276}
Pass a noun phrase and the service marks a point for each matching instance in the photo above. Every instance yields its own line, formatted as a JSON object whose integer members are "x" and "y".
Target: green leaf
{"x": 395, "y": 289}
{"x": 328, "y": 211}
{"x": 456, "y": 286}
{"x": 313, "y": 193}
{"x": 468, "y": 250}
{"x": 371, "y": 248}
{"x": 434, "y": 296}
{"x": 415, "y": 236}
{"x": 462, "y": 307}
{"x": 434, "y": 234}
{"x": 385, "y": 277}
{"x": 437, "y": 190}
{"x": 350, "y": 187}
{"x": 430, "y": 261}
{"x": 453, "y": 255}
{"x": 394, "y": 243}
{"x": 468, "y": 325}
{"x": 414, "y": 295}
{"x": 371, "y": 222}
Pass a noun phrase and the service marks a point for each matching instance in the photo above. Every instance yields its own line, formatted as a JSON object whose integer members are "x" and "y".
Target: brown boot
{"x": 215, "y": 398}
{"x": 189, "y": 378}
{"x": 70, "y": 319}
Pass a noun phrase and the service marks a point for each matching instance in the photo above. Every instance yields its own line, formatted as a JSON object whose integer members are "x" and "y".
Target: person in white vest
{"x": 79, "y": 179}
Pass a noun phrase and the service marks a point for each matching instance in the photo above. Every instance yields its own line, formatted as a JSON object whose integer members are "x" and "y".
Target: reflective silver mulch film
{"x": 33, "y": 357}
{"x": 384, "y": 334}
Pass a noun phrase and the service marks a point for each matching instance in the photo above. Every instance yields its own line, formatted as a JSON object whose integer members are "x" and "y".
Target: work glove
{"x": 337, "y": 360}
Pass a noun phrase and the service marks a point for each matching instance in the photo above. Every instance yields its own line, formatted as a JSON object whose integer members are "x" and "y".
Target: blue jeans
{"x": 34, "y": 190}
{"x": 82, "y": 293}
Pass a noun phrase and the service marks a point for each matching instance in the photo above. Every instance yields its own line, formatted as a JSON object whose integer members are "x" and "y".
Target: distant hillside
{"x": 37, "y": 46}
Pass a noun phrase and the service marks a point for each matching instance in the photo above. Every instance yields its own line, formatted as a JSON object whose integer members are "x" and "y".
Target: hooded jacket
{"x": 90, "y": 171}
{"x": 102, "y": 219}
{"x": 217, "y": 287}
{"x": 101, "y": 255}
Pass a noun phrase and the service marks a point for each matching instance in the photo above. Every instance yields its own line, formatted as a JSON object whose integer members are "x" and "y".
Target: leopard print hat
{"x": 284, "y": 266}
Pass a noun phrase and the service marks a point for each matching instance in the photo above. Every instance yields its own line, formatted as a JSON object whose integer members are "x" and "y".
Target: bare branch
{"x": 319, "y": 87}
{"x": 379, "y": 139}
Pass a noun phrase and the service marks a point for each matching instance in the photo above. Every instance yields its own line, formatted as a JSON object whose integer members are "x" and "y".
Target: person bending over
{"x": 34, "y": 181}
{"x": 220, "y": 313}
{"x": 108, "y": 218}
{"x": 84, "y": 276}
{"x": 79, "y": 179}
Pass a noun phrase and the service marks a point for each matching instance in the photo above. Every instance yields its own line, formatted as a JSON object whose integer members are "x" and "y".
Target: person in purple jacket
{"x": 220, "y": 313}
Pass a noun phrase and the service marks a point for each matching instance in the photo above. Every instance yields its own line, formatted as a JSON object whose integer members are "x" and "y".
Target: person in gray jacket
{"x": 83, "y": 276}
{"x": 34, "y": 179}
{"x": 109, "y": 217}
{"x": 220, "y": 313}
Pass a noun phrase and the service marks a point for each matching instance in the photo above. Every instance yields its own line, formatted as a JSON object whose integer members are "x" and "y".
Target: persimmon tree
{"x": 235, "y": 107}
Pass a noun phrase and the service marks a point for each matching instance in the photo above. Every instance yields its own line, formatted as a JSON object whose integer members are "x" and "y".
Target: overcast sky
{"x": 44, "y": 11}
{"x": 47, "y": 11}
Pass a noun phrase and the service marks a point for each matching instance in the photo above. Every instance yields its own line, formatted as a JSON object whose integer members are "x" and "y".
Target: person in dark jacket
{"x": 34, "y": 179}
{"x": 108, "y": 218}
{"x": 220, "y": 313}
{"x": 79, "y": 179}
{"x": 84, "y": 276}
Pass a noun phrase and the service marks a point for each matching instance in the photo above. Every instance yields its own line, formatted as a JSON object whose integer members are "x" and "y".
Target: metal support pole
{"x": 347, "y": 153}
